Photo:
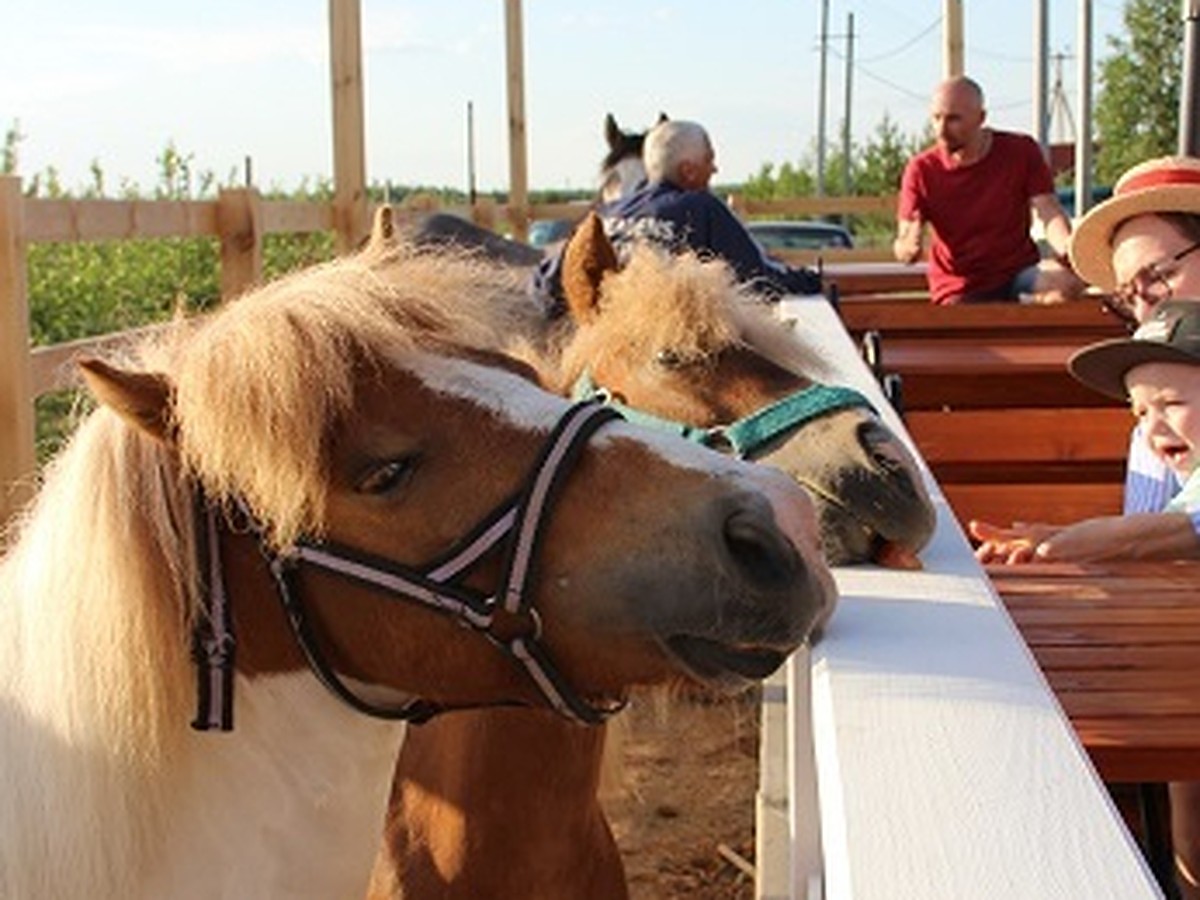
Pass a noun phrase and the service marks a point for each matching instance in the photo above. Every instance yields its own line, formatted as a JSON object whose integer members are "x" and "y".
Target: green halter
{"x": 748, "y": 434}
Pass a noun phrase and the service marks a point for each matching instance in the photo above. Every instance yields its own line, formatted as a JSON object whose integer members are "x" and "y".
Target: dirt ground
{"x": 683, "y": 813}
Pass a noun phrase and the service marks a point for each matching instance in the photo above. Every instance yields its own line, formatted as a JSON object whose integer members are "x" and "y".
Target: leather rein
{"x": 506, "y": 617}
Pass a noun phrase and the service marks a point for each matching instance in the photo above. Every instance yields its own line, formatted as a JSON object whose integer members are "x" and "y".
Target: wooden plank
{"x": 292, "y": 217}
{"x": 1120, "y": 644}
{"x": 1021, "y": 435}
{"x": 1084, "y": 321}
{"x": 813, "y": 207}
{"x": 99, "y": 220}
{"x": 1002, "y": 504}
{"x": 874, "y": 277}
{"x": 18, "y": 461}
{"x": 54, "y": 367}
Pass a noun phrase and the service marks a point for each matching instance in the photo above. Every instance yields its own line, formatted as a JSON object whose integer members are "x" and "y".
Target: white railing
{"x": 917, "y": 751}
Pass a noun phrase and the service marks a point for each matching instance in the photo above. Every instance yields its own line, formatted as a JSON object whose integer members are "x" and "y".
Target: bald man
{"x": 975, "y": 188}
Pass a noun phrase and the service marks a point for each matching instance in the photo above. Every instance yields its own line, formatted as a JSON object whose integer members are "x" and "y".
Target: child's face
{"x": 1165, "y": 398}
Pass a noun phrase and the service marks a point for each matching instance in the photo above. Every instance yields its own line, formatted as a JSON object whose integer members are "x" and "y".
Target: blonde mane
{"x": 682, "y": 302}
{"x": 96, "y": 592}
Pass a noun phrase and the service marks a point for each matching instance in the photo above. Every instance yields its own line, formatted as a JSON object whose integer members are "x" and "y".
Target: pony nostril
{"x": 759, "y": 550}
{"x": 878, "y": 444}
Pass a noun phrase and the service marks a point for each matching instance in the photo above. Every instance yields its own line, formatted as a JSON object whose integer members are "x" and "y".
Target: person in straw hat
{"x": 1142, "y": 247}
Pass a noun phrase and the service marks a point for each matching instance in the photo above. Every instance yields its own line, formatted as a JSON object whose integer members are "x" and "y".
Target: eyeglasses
{"x": 1151, "y": 284}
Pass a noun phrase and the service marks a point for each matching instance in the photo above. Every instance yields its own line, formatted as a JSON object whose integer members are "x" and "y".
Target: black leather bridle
{"x": 506, "y": 617}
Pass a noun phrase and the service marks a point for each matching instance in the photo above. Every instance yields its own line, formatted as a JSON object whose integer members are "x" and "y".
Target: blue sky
{"x": 115, "y": 81}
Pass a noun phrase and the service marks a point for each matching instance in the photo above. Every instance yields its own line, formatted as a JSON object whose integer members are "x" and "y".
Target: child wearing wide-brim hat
{"x": 1158, "y": 370}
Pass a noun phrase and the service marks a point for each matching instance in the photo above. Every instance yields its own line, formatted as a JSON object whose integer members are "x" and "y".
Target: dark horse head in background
{"x": 621, "y": 171}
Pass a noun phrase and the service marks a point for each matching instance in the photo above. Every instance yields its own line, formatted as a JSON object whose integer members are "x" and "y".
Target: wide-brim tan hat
{"x": 1165, "y": 184}
{"x": 1171, "y": 335}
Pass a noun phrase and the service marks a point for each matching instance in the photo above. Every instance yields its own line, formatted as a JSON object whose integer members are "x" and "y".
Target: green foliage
{"x": 1137, "y": 107}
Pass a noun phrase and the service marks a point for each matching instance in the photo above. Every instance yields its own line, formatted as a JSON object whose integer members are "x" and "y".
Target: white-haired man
{"x": 674, "y": 208}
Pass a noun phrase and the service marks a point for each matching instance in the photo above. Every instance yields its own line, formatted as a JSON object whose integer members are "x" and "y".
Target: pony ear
{"x": 141, "y": 398}
{"x": 612, "y": 133}
{"x": 588, "y": 257}
{"x": 662, "y": 117}
{"x": 383, "y": 225}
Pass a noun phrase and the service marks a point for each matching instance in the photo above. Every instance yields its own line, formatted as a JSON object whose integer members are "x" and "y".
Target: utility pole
{"x": 846, "y": 185}
{"x": 1060, "y": 108}
{"x": 518, "y": 159}
{"x": 1189, "y": 93}
{"x": 952, "y": 32}
{"x": 821, "y": 89}
{"x": 1083, "y": 137}
{"x": 1041, "y": 53}
{"x": 471, "y": 153}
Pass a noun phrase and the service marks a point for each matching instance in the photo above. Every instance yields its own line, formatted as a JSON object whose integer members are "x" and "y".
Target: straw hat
{"x": 1166, "y": 184}
{"x": 1171, "y": 334}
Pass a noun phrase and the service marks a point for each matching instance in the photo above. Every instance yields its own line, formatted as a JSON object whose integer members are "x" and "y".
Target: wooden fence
{"x": 239, "y": 219}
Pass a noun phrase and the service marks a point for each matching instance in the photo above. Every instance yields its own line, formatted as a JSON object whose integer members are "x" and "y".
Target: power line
{"x": 934, "y": 24}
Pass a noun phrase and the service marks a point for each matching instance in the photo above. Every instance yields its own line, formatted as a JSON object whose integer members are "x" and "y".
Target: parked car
{"x": 806, "y": 235}
{"x": 548, "y": 231}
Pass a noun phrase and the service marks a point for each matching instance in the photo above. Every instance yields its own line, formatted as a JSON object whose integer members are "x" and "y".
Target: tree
{"x": 12, "y": 143}
{"x": 1137, "y": 107}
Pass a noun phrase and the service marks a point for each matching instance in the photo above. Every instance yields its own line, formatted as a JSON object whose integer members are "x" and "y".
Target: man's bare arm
{"x": 1055, "y": 222}
{"x": 907, "y": 245}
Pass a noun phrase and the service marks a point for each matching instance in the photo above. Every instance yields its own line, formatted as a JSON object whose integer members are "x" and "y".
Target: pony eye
{"x": 388, "y": 476}
{"x": 669, "y": 358}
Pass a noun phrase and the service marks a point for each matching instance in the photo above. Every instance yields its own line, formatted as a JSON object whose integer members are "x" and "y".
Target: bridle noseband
{"x": 506, "y": 617}
{"x": 747, "y": 436}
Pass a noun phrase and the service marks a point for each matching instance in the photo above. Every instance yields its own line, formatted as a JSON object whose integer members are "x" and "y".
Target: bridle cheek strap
{"x": 516, "y": 526}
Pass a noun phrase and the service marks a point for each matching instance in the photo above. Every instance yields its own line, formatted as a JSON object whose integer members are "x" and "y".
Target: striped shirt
{"x": 1149, "y": 483}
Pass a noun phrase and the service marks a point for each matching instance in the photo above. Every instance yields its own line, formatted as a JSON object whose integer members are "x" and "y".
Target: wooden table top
{"x": 1119, "y": 644}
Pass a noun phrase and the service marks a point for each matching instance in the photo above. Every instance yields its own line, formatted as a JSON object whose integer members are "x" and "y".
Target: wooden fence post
{"x": 349, "y": 155}
{"x": 18, "y": 457}
{"x": 239, "y": 223}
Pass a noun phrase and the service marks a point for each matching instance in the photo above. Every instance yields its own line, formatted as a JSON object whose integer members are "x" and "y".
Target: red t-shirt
{"x": 979, "y": 214}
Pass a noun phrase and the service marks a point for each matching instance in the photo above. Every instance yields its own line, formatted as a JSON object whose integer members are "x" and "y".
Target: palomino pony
{"x": 333, "y": 504}
{"x": 450, "y": 833}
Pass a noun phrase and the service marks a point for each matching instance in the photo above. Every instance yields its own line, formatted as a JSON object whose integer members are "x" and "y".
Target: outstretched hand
{"x": 1022, "y": 542}
{"x": 1141, "y": 536}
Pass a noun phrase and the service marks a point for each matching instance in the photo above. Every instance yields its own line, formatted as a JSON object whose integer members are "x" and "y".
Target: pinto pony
{"x": 622, "y": 170}
{"x": 329, "y": 505}
{"x": 674, "y": 335}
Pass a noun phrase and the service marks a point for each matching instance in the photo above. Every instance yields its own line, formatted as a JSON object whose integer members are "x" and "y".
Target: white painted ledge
{"x": 917, "y": 752}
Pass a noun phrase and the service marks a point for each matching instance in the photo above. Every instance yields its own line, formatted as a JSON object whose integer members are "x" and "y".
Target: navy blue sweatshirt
{"x": 681, "y": 220}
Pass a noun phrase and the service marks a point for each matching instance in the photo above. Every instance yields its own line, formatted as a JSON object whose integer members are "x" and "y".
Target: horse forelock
{"x": 262, "y": 386}
{"x": 681, "y": 302}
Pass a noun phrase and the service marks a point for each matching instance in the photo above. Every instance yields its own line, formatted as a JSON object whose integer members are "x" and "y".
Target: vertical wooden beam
{"x": 349, "y": 156}
{"x": 518, "y": 166}
{"x": 952, "y": 19}
{"x": 239, "y": 224}
{"x": 18, "y": 458}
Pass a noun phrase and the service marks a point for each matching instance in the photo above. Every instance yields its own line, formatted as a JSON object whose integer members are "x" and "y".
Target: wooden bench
{"x": 851, "y": 279}
{"x": 1083, "y": 320}
{"x": 1023, "y": 464}
{"x": 1005, "y": 429}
